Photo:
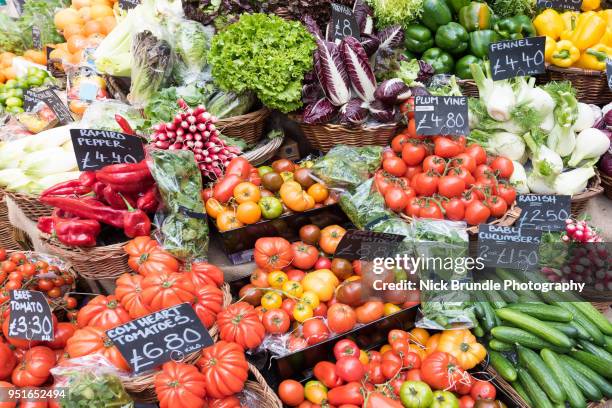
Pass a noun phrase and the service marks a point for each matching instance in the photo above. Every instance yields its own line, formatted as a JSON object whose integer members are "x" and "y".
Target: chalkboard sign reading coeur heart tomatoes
{"x": 367, "y": 245}
{"x": 513, "y": 58}
{"x": 95, "y": 149}
{"x": 30, "y": 317}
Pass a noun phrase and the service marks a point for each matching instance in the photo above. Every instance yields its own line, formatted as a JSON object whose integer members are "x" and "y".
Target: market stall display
{"x": 211, "y": 204}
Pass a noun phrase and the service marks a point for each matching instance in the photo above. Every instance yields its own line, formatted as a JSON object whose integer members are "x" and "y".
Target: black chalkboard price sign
{"x": 30, "y": 100}
{"x": 513, "y": 58}
{"x": 128, "y": 4}
{"x": 95, "y": 149}
{"x": 36, "y": 40}
{"x": 30, "y": 316}
{"x": 170, "y": 334}
{"x": 560, "y": 4}
{"x": 446, "y": 115}
{"x": 343, "y": 24}
{"x": 508, "y": 247}
{"x": 609, "y": 72}
{"x": 56, "y": 105}
{"x": 367, "y": 245}
{"x": 546, "y": 212}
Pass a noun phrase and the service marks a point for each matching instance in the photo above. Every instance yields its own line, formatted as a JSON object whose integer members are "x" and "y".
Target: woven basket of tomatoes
{"x": 441, "y": 177}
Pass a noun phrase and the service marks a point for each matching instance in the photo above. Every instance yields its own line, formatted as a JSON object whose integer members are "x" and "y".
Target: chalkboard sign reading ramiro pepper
{"x": 513, "y": 58}
{"x": 546, "y": 212}
{"x": 30, "y": 316}
{"x": 508, "y": 247}
{"x": 95, "y": 149}
{"x": 446, "y": 115}
{"x": 170, "y": 334}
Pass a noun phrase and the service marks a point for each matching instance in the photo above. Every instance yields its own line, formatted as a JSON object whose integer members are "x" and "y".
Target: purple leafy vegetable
{"x": 332, "y": 73}
{"x": 605, "y": 164}
{"x": 354, "y": 112}
{"x": 311, "y": 92}
{"x": 363, "y": 15}
{"x": 382, "y": 113}
{"x": 312, "y": 26}
{"x": 370, "y": 44}
{"x": 321, "y": 111}
{"x": 426, "y": 72}
{"x": 358, "y": 68}
{"x": 392, "y": 91}
{"x": 419, "y": 91}
{"x": 390, "y": 38}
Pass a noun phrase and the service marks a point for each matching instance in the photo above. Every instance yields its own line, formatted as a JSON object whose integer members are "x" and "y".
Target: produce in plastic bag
{"x": 228, "y": 104}
{"x": 365, "y": 206}
{"x": 191, "y": 45}
{"x": 345, "y": 166}
{"x": 84, "y": 86}
{"x": 100, "y": 115}
{"x": 182, "y": 225}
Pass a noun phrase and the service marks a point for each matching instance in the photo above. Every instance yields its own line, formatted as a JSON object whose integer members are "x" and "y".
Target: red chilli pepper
{"x": 148, "y": 201}
{"x": 98, "y": 189}
{"x": 67, "y": 188}
{"x": 136, "y": 222}
{"x": 87, "y": 208}
{"x": 124, "y": 125}
{"x": 87, "y": 178}
{"x": 115, "y": 199}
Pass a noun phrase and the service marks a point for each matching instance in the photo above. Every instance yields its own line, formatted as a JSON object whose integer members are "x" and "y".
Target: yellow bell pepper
{"x": 595, "y": 57}
{"x": 568, "y": 17}
{"x": 607, "y": 16}
{"x": 588, "y": 5}
{"x": 607, "y": 38}
{"x": 589, "y": 30}
{"x": 549, "y": 49}
{"x": 565, "y": 54}
{"x": 549, "y": 23}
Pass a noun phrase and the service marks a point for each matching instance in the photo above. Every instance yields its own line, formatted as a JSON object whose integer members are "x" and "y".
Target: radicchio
{"x": 382, "y": 113}
{"x": 358, "y": 68}
{"x": 363, "y": 15}
{"x": 390, "y": 38}
{"x": 354, "y": 112}
{"x": 370, "y": 44}
{"x": 321, "y": 111}
{"x": 605, "y": 164}
{"x": 311, "y": 92}
{"x": 332, "y": 73}
{"x": 392, "y": 91}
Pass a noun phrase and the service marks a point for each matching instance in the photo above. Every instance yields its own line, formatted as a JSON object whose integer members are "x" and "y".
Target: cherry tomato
{"x": 426, "y": 184}
{"x": 431, "y": 210}
{"x": 8, "y": 266}
{"x": 477, "y": 213}
{"x": 15, "y": 276}
{"x": 12, "y": 285}
{"x": 478, "y": 153}
{"x": 454, "y": 208}
{"x": 396, "y": 199}
{"x": 18, "y": 258}
{"x": 451, "y": 186}
{"x": 398, "y": 142}
{"x": 394, "y": 166}
{"x": 71, "y": 303}
{"x": 58, "y": 281}
{"x": 507, "y": 192}
{"x": 503, "y": 166}
{"x": 54, "y": 293}
{"x": 434, "y": 163}
{"x": 41, "y": 266}
{"x": 483, "y": 390}
{"x": 413, "y": 154}
{"x": 466, "y": 161}
{"x": 46, "y": 285}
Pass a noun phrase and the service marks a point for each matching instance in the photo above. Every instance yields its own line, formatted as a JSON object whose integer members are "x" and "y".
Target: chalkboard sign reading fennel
{"x": 546, "y": 212}
{"x": 95, "y": 149}
{"x": 151, "y": 340}
{"x": 343, "y": 24}
{"x": 513, "y": 58}
{"x": 560, "y": 4}
{"x": 508, "y": 247}
{"x": 357, "y": 244}
{"x": 446, "y": 115}
{"x": 30, "y": 317}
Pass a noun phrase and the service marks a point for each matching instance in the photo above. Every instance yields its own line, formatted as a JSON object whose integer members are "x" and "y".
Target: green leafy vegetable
{"x": 40, "y": 13}
{"x": 511, "y": 8}
{"x": 87, "y": 389}
{"x": 365, "y": 206}
{"x": 389, "y": 12}
{"x": 345, "y": 166}
{"x": 11, "y": 39}
{"x": 264, "y": 54}
{"x": 191, "y": 44}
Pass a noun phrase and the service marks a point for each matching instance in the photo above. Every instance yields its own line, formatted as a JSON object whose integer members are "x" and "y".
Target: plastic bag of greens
{"x": 91, "y": 381}
{"x": 442, "y": 248}
{"x": 182, "y": 227}
{"x": 345, "y": 166}
{"x": 364, "y": 206}
{"x": 191, "y": 45}
{"x": 227, "y": 104}
{"x": 101, "y": 115}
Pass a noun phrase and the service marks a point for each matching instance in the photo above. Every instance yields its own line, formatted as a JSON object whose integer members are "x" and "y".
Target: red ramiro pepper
{"x": 137, "y": 222}
{"x": 116, "y": 199}
{"x": 148, "y": 201}
{"x": 67, "y": 188}
{"x": 69, "y": 230}
{"x": 87, "y": 178}
{"x": 124, "y": 125}
{"x": 126, "y": 178}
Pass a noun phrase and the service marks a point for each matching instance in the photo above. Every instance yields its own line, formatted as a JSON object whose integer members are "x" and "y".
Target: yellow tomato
{"x": 271, "y": 300}
{"x": 293, "y": 288}
{"x": 385, "y": 348}
{"x": 363, "y": 357}
{"x": 419, "y": 336}
{"x": 311, "y": 298}
{"x": 276, "y": 279}
{"x": 320, "y": 283}
{"x": 315, "y": 392}
{"x": 390, "y": 308}
{"x": 302, "y": 312}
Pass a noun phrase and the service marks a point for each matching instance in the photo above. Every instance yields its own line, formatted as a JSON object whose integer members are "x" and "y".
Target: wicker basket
{"x": 606, "y": 183}
{"x": 247, "y": 127}
{"x": 324, "y": 137}
{"x": 591, "y": 86}
{"x": 468, "y": 87}
{"x": 580, "y": 201}
{"x": 30, "y": 205}
{"x": 263, "y": 152}
{"x": 7, "y": 235}
{"x": 101, "y": 262}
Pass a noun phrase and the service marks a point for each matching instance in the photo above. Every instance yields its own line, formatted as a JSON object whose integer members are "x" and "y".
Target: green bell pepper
{"x": 513, "y": 28}
{"x": 462, "y": 68}
{"x": 476, "y": 16}
{"x": 435, "y": 14}
{"x": 480, "y": 40}
{"x": 452, "y": 37}
{"x": 456, "y": 5}
{"x": 418, "y": 38}
{"x": 441, "y": 61}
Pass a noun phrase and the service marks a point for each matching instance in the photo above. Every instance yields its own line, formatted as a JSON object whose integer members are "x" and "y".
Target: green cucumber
{"x": 478, "y": 309}
{"x": 608, "y": 343}
{"x": 490, "y": 318}
{"x": 478, "y": 331}
{"x": 502, "y": 365}
{"x": 514, "y": 335}
{"x": 535, "y": 393}
{"x": 589, "y": 389}
{"x": 543, "y": 311}
{"x": 595, "y": 350}
{"x": 597, "y": 364}
{"x": 600, "y": 382}
{"x": 535, "y": 326}
{"x": 495, "y": 299}
{"x": 498, "y": 345}
{"x": 595, "y": 317}
{"x": 530, "y": 360}
{"x": 595, "y": 334}
{"x": 518, "y": 387}
{"x": 572, "y": 392}
{"x": 507, "y": 295}
{"x": 567, "y": 328}
{"x": 582, "y": 333}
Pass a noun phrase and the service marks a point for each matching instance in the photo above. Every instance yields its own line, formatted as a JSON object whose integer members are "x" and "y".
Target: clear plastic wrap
{"x": 84, "y": 86}
{"x": 347, "y": 167}
{"x": 40, "y": 117}
{"x": 364, "y": 206}
{"x": 100, "y": 115}
{"x": 182, "y": 227}
{"x": 228, "y": 104}
{"x": 191, "y": 45}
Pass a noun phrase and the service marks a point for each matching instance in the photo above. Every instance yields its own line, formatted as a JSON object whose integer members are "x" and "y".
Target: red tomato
{"x": 478, "y": 153}
{"x": 387, "y": 154}
{"x": 394, "y": 166}
{"x": 413, "y": 154}
{"x": 341, "y": 318}
{"x": 287, "y": 306}
{"x": 413, "y": 208}
{"x": 446, "y": 147}
{"x": 426, "y": 184}
{"x": 320, "y": 310}
{"x": 431, "y": 210}
{"x": 503, "y": 166}
{"x": 477, "y": 213}
{"x": 398, "y": 142}
{"x": 346, "y": 348}
{"x": 396, "y": 199}
{"x": 411, "y": 360}
{"x": 322, "y": 263}
{"x": 291, "y": 392}
{"x": 463, "y": 174}
{"x": 391, "y": 363}
{"x": 414, "y": 375}
{"x": 396, "y": 334}
{"x": 454, "y": 209}
{"x": 382, "y": 182}
{"x": 466, "y": 402}
{"x": 315, "y": 331}
{"x": 466, "y": 161}
{"x": 407, "y": 108}
{"x": 482, "y": 170}
{"x": 497, "y": 205}
{"x": 507, "y": 192}
{"x": 295, "y": 275}
{"x": 434, "y": 163}
{"x": 374, "y": 356}
{"x": 276, "y": 321}
{"x": 350, "y": 369}
{"x": 325, "y": 372}
{"x": 375, "y": 373}
{"x": 481, "y": 189}
{"x": 483, "y": 390}
{"x": 451, "y": 186}
{"x": 411, "y": 171}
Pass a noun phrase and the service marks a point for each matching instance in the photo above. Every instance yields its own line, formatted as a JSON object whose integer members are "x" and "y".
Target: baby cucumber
{"x": 535, "y": 326}
{"x": 502, "y": 365}
{"x": 543, "y": 375}
{"x": 572, "y": 392}
{"x": 543, "y": 311}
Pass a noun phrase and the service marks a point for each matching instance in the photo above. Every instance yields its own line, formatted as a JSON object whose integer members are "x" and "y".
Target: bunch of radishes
{"x": 194, "y": 129}
{"x": 579, "y": 231}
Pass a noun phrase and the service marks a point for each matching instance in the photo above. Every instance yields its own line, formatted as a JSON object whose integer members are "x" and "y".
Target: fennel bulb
{"x": 591, "y": 143}
{"x": 573, "y": 181}
{"x": 586, "y": 117}
{"x": 546, "y": 162}
{"x": 519, "y": 178}
{"x": 49, "y": 161}
{"x": 498, "y": 96}
{"x": 538, "y": 184}
{"x": 11, "y": 151}
{"x": 562, "y": 140}
{"x": 499, "y": 143}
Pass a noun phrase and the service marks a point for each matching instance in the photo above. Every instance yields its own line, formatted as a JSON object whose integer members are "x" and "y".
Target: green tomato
{"x": 444, "y": 399}
{"x": 15, "y": 92}
{"x": 263, "y": 170}
{"x": 13, "y": 101}
{"x": 416, "y": 394}
{"x": 15, "y": 109}
{"x": 35, "y": 80}
{"x": 10, "y": 84}
{"x": 22, "y": 83}
{"x": 271, "y": 207}
{"x": 3, "y": 97}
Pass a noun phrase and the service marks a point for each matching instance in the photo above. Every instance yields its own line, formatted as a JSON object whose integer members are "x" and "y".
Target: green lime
{"x": 12, "y": 101}
{"x": 16, "y": 92}
{"x": 35, "y": 80}
{"x": 23, "y": 83}
{"x": 15, "y": 109}
{"x": 3, "y": 97}
{"x": 10, "y": 84}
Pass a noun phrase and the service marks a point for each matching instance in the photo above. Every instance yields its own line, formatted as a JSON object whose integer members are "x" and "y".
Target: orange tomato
{"x": 432, "y": 344}
{"x": 72, "y": 29}
{"x": 246, "y": 191}
{"x": 108, "y": 23}
{"x": 363, "y": 357}
{"x": 419, "y": 336}
{"x": 76, "y": 43}
{"x": 213, "y": 207}
{"x": 66, "y": 17}
{"x": 319, "y": 192}
{"x": 93, "y": 27}
{"x": 416, "y": 349}
{"x": 370, "y": 311}
{"x": 385, "y": 348}
{"x": 227, "y": 220}
{"x": 330, "y": 238}
{"x": 248, "y": 212}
